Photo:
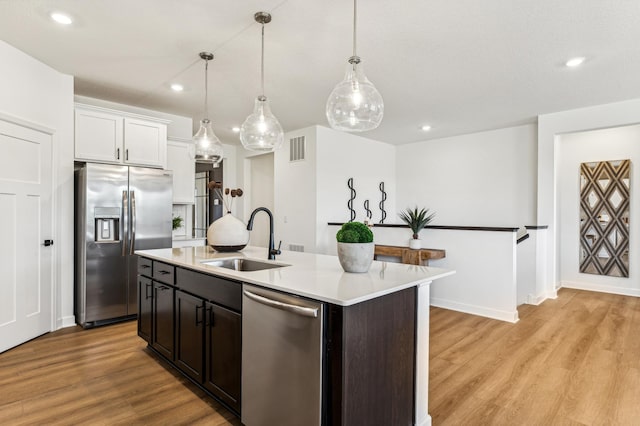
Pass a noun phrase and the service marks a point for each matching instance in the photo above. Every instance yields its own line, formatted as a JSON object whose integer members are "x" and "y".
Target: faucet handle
{"x": 277, "y": 251}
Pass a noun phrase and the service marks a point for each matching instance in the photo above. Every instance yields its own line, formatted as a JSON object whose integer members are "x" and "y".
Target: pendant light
{"x": 208, "y": 147}
{"x": 261, "y": 131}
{"x": 355, "y": 105}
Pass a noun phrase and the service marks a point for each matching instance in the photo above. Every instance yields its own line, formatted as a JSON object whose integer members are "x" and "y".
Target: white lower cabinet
{"x": 109, "y": 136}
{"x": 180, "y": 159}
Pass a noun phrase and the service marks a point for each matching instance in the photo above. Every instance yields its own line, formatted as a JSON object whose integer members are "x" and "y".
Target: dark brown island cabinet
{"x": 194, "y": 321}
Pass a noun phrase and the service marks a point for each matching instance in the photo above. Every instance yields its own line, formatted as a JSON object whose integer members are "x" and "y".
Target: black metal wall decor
{"x": 368, "y": 212}
{"x": 350, "y": 202}
{"x": 604, "y": 218}
{"x": 383, "y": 213}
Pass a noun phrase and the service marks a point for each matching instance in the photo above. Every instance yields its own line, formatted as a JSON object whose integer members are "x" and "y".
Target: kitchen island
{"x": 370, "y": 333}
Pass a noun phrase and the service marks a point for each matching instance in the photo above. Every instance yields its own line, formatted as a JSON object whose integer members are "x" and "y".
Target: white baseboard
{"x": 424, "y": 422}
{"x": 476, "y": 310}
{"x": 578, "y": 285}
{"x": 68, "y": 321}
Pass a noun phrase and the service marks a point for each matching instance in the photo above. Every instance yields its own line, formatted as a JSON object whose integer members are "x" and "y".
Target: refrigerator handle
{"x": 125, "y": 214}
{"x": 133, "y": 222}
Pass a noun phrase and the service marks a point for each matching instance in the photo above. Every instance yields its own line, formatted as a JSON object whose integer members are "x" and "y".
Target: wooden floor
{"x": 570, "y": 361}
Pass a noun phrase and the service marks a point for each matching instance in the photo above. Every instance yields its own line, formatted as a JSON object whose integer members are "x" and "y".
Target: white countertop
{"x": 315, "y": 276}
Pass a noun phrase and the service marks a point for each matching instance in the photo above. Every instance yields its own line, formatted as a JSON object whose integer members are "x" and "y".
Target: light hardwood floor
{"x": 573, "y": 361}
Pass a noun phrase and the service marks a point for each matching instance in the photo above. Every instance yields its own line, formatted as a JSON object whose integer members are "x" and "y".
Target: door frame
{"x": 55, "y": 229}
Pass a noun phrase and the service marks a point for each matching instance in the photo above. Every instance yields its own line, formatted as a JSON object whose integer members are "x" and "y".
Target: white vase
{"x": 415, "y": 244}
{"x": 356, "y": 257}
{"x": 227, "y": 234}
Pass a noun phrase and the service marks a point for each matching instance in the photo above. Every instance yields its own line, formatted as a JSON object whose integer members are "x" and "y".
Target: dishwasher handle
{"x": 298, "y": 310}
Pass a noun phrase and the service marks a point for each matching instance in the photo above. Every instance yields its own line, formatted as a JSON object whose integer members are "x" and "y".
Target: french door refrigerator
{"x": 119, "y": 209}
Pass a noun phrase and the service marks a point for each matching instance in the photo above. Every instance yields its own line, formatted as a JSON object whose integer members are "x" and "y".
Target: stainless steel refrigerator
{"x": 119, "y": 209}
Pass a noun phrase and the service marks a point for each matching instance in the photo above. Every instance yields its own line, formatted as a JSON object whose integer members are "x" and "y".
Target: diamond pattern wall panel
{"x": 604, "y": 218}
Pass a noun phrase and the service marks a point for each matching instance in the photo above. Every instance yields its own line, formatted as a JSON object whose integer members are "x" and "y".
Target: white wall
{"x": 295, "y": 193}
{"x": 34, "y": 92}
{"x": 479, "y": 179}
{"x": 341, "y": 156}
{"x": 485, "y": 264}
{"x": 593, "y": 146}
{"x": 550, "y": 127}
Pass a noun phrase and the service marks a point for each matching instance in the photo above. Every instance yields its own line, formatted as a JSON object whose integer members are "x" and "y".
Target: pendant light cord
{"x": 262, "y": 64}
{"x": 355, "y": 15}
{"x": 206, "y": 89}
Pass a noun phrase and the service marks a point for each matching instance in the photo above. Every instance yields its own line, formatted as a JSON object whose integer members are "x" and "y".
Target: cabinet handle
{"x": 163, "y": 288}
{"x": 146, "y": 291}
{"x": 117, "y": 153}
{"x": 198, "y": 322}
{"x": 163, "y": 272}
{"x": 145, "y": 266}
{"x": 126, "y": 154}
{"x": 209, "y": 315}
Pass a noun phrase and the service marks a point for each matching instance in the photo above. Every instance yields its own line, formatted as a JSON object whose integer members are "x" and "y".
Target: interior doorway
{"x": 260, "y": 195}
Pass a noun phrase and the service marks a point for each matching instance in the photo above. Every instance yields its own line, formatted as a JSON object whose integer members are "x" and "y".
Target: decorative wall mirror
{"x": 604, "y": 218}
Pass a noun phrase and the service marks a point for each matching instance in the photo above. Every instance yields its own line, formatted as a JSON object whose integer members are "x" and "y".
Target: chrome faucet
{"x": 272, "y": 251}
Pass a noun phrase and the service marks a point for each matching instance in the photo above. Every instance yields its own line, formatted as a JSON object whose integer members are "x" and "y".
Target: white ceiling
{"x": 461, "y": 66}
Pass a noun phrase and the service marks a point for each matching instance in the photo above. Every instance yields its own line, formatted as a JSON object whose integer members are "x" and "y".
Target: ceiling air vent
{"x": 296, "y": 149}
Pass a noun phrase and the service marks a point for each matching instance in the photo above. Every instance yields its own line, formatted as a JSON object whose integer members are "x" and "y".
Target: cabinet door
{"x": 163, "y": 330}
{"x": 190, "y": 334}
{"x": 145, "y": 142}
{"x": 180, "y": 159}
{"x": 98, "y": 136}
{"x": 223, "y": 354}
{"x": 145, "y": 307}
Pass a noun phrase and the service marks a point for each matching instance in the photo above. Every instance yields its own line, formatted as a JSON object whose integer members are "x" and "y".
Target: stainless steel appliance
{"x": 119, "y": 209}
{"x": 281, "y": 359}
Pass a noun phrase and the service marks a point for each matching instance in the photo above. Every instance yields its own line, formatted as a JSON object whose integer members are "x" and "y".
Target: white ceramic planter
{"x": 227, "y": 234}
{"x": 415, "y": 244}
{"x": 355, "y": 257}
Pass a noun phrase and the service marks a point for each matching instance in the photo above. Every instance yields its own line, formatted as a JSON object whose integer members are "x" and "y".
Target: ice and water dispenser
{"x": 107, "y": 224}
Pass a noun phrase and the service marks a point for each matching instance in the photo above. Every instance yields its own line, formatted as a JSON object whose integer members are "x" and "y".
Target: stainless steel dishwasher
{"x": 281, "y": 359}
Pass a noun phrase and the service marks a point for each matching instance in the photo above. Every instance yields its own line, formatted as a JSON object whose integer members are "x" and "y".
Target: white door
{"x": 26, "y": 212}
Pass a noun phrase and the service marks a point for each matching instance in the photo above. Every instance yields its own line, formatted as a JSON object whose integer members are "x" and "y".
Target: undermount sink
{"x": 243, "y": 264}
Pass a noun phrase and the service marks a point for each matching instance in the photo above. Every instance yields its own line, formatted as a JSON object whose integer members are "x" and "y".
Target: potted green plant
{"x": 417, "y": 220}
{"x": 177, "y": 222}
{"x": 355, "y": 247}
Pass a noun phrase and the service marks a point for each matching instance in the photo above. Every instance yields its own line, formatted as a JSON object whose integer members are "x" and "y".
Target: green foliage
{"x": 177, "y": 222}
{"x": 354, "y": 232}
{"x": 416, "y": 219}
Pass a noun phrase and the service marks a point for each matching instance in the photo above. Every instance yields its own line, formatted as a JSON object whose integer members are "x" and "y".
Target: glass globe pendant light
{"x": 355, "y": 105}
{"x": 261, "y": 131}
{"x": 208, "y": 147}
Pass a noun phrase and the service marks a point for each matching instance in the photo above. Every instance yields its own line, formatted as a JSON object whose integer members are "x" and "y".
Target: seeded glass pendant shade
{"x": 208, "y": 146}
{"x": 261, "y": 131}
{"x": 355, "y": 105}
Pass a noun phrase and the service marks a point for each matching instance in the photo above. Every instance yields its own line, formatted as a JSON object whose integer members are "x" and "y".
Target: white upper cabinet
{"x": 180, "y": 159}
{"x": 109, "y": 136}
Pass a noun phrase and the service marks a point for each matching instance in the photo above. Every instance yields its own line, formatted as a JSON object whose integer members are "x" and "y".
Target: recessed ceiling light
{"x": 425, "y": 128}
{"x": 61, "y": 18}
{"x": 235, "y": 129}
{"x": 177, "y": 87}
{"x": 574, "y": 62}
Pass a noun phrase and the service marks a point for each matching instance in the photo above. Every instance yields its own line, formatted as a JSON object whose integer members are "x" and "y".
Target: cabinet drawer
{"x": 145, "y": 266}
{"x": 224, "y": 292}
{"x": 164, "y": 272}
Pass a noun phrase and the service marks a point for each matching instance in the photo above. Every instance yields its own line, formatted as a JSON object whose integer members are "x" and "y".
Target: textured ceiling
{"x": 461, "y": 66}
